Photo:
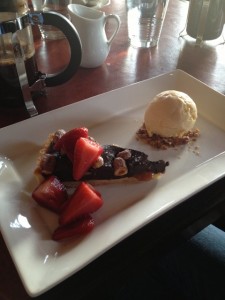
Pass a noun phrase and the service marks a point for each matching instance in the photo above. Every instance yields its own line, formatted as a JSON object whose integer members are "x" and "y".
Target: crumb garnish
{"x": 163, "y": 143}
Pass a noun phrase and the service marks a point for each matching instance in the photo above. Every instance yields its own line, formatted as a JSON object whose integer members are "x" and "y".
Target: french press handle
{"x": 57, "y": 20}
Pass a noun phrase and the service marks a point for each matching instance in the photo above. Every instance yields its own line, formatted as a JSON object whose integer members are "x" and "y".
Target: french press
{"x": 20, "y": 79}
{"x": 205, "y": 20}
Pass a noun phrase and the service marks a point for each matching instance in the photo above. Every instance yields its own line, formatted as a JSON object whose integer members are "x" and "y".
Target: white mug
{"x": 97, "y": 4}
{"x": 90, "y": 24}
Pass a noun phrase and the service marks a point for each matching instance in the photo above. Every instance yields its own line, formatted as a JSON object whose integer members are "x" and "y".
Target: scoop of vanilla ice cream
{"x": 170, "y": 114}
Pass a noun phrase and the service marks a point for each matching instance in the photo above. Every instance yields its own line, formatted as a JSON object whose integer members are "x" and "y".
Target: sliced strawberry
{"x": 67, "y": 142}
{"x": 81, "y": 225}
{"x": 51, "y": 194}
{"x": 85, "y": 200}
{"x": 86, "y": 153}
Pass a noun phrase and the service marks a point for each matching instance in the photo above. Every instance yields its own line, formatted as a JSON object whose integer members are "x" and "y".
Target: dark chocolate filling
{"x": 138, "y": 163}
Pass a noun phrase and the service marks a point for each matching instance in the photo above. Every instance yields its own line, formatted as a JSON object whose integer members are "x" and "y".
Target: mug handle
{"x": 117, "y": 19}
{"x": 57, "y": 20}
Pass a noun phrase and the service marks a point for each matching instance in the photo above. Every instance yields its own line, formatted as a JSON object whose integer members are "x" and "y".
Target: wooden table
{"x": 125, "y": 65}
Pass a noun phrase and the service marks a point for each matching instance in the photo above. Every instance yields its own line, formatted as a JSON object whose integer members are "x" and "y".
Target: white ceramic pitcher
{"x": 90, "y": 24}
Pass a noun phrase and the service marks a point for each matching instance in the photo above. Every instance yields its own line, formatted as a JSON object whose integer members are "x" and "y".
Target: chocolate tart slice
{"x": 116, "y": 164}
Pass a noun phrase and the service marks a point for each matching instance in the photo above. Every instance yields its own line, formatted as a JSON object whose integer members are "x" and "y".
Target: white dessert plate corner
{"x": 112, "y": 118}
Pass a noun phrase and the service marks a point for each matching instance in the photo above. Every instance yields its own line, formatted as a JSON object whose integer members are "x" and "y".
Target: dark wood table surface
{"x": 125, "y": 65}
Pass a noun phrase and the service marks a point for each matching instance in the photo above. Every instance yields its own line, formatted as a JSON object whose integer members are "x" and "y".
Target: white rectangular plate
{"x": 112, "y": 118}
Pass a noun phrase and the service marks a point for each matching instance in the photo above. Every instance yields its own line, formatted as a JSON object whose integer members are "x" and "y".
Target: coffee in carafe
{"x": 11, "y": 74}
{"x": 20, "y": 80}
{"x": 10, "y": 86}
{"x": 205, "y": 19}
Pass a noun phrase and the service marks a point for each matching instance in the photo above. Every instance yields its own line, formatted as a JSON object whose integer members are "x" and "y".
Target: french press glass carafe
{"x": 20, "y": 79}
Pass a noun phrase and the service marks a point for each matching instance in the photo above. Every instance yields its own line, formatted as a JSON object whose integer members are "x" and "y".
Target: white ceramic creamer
{"x": 90, "y": 24}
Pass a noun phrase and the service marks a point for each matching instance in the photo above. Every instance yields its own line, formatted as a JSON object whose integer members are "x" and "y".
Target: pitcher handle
{"x": 57, "y": 20}
{"x": 117, "y": 19}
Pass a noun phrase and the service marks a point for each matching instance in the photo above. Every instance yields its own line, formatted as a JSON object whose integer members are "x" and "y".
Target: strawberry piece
{"x": 82, "y": 225}
{"x": 85, "y": 200}
{"x": 51, "y": 194}
{"x": 86, "y": 153}
{"x": 68, "y": 141}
